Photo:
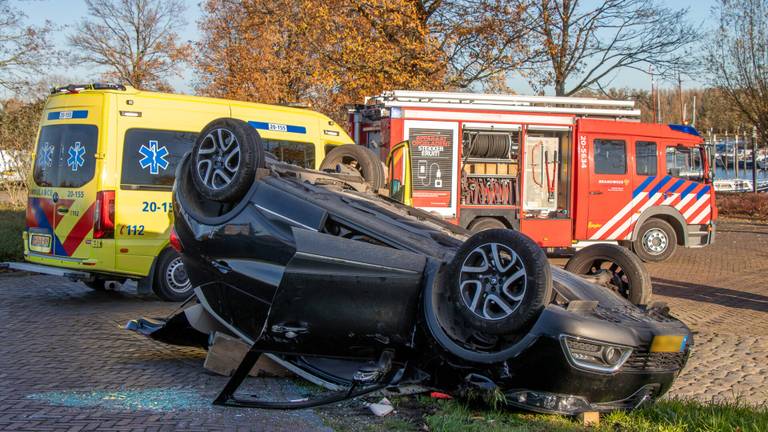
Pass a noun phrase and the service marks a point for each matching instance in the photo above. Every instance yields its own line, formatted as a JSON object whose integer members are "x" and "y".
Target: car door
{"x": 340, "y": 296}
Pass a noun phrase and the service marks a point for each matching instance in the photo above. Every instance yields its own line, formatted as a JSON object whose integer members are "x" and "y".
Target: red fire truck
{"x": 568, "y": 172}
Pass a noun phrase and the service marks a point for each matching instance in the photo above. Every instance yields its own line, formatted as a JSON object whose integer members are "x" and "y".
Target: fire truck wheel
{"x": 616, "y": 268}
{"x": 357, "y": 158}
{"x": 499, "y": 281}
{"x": 225, "y": 158}
{"x": 485, "y": 223}
{"x": 656, "y": 241}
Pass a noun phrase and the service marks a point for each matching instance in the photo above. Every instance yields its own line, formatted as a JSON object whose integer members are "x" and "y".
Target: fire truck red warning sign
{"x": 432, "y": 176}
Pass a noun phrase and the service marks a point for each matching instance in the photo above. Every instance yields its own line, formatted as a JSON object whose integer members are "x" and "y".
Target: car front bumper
{"x": 543, "y": 380}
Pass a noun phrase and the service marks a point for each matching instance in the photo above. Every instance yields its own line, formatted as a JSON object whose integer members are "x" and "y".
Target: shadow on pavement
{"x": 710, "y": 294}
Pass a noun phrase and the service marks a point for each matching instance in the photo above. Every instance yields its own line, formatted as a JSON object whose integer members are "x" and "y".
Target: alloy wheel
{"x": 493, "y": 281}
{"x": 218, "y": 158}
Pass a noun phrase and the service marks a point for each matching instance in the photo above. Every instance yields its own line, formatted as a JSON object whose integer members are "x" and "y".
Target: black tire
{"x": 221, "y": 171}
{"x": 656, "y": 241}
{"x": 170, "y": 277}
{"x": 360, "y": 159}
{"x": 97, "y": 284}
{"x": 485, "y": 223}
{"x": 628, "y": 276}
{"x": 525, "y": 296}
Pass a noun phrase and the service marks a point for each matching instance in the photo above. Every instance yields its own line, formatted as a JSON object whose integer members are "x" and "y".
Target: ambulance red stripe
{"x": 79, "y": 231}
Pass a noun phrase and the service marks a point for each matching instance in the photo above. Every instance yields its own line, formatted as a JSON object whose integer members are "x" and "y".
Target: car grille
{"x": 620, "y": 315}
{"x": 655, "y": 361}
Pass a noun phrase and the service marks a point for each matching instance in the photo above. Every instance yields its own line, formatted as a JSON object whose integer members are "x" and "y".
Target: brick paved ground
{"x": 62, "y": 349}
{"x": 721, "y": 292}
{"x": 60, "y": 336}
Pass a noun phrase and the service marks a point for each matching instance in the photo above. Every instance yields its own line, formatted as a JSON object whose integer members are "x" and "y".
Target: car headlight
{"x": 594, "y": 355}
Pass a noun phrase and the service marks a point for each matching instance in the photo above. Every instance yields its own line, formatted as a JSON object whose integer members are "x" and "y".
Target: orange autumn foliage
{"x": 324, "y": 54}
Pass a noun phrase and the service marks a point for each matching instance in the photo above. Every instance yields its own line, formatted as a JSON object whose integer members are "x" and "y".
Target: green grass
{"x": 12, "y": 223}
{"x": 663, "y": 416}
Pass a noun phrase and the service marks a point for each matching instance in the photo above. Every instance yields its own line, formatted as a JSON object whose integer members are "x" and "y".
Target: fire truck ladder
{"x": 582, "y": 107}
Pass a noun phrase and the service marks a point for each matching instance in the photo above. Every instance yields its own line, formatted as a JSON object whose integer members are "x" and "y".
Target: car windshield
{"x": 66, "y": 155}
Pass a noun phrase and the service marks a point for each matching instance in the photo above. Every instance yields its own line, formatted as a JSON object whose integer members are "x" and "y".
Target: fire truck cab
{"x": 568, "y": 172}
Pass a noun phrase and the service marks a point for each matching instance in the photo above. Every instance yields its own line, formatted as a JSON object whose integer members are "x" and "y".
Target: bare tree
{"x": 135, "y": 40}
{"x": 482, "y": 40}
{"x": 584, "y": 45}
{"x": 24, "y": 50}
{"x": 737, "y": 58}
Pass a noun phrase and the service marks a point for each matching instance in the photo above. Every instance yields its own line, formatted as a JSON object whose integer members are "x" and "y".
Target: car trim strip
{"x": 284, "y": 218}
{"x": 358, "y": 263}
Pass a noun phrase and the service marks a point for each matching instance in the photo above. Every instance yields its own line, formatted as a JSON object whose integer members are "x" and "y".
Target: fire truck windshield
{"x": 685, "y": 162}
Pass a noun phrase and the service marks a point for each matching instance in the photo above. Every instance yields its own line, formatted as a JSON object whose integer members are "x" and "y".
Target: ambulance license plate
{"x": 669, "y": 343}
{"x": 40, "y": 243}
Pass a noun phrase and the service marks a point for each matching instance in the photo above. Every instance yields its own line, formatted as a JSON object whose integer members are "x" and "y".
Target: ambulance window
{"x": 150, "y": 157}
{"x": 292, "y": 152}
{"x": 610, "y": 156}
{"x": 645, "y": 158}
{"x": 65, "y": 155}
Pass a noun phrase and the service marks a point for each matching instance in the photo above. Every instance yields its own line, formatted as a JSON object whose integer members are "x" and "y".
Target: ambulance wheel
{"x": 485, "y": 223}
{"x": 616, "y": 268}
{"x": 656, "y": 241}
{"x": 171, "y": 280}
{"x": 500, "y": 281}
{"x": 358, "y": 158}
{"x": 97, "y": 284}
{"x": 225, "y": 158}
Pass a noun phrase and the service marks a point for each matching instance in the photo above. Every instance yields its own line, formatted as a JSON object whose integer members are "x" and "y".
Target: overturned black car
{"x": 358, "y": 293}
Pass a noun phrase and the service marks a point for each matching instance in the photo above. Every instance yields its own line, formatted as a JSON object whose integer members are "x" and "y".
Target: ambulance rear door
{"x": 62, "y": 196}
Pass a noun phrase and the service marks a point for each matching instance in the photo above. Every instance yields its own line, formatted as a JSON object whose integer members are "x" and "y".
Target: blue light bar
{"x": 684, "y": 129}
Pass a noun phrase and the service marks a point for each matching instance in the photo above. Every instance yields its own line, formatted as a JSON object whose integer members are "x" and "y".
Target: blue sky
{"x": 69, "y": 12}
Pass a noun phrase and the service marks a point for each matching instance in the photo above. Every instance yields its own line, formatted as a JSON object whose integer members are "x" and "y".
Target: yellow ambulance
{"x": 99, "y": 206}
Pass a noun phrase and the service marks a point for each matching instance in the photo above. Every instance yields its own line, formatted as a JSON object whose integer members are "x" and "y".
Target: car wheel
{"x": 656, "y": 241}
{"x": 360, "y": 159}
{"x": 225, "y": 158}
{"x": 171, "y": 280}
{"x": 500, "y": 280}
{"x": 616, "y": 268}
{"x": 485, "y": 223}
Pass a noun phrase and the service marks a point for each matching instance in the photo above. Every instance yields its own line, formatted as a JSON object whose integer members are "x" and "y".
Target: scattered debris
{"x": 382, "y": 407}
{"x": 227, "y": 352}
{"x": 589, "y": 418}
{"x": 150, "y": 399}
